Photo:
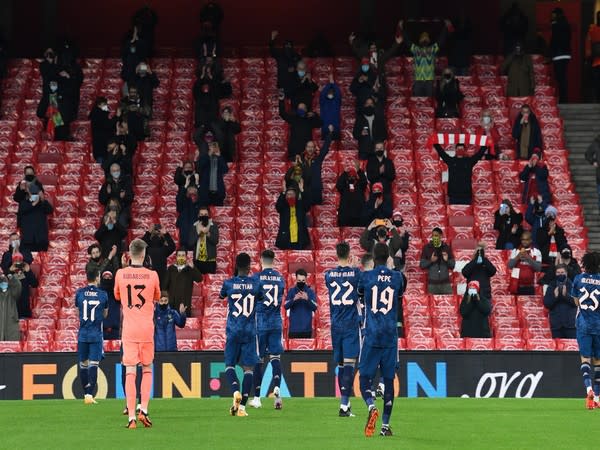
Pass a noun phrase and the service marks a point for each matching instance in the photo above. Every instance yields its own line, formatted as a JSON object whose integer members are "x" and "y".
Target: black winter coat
{"x": 475, "y": 314}
{"x": 480, "y": 272}
{"x": 377, "y": 133}
{"x": 352, "y": 199}
{"x": 283, "y": 235}
{"x": 504, "y": 226}
{"x": 300, "y": 130}
{"x": 460, "y": 172}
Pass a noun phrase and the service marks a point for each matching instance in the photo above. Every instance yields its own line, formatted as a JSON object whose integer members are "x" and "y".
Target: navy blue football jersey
{"x": 342, "y": 284}
{"x": 586, "y": 288}
{"x": 91, "y": 301}
{"x": 241, "y": 293}
{"x": 271, "y": 285}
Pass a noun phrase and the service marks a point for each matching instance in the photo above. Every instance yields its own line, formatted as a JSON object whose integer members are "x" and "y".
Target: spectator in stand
{"x": 101, "y": 264}
{"x": 179, "y": 282}
{"x": 123, "y": 137}
{"x": 286, "y": 59}
{"x": 111, "y": 325}
{"x": 438, "y": 260}
{"x": 29, "y": 178}
{"x": 385, "y": 232}
{"x": 135, "y": 113}
{"x": 351, "y": 185}
{"x": 145, "y": 81}
{"x": 524, "y": 261}
{"x": 14, "y": 248}
{"x": 165, "y": 319}
{"x": 32, "y": 219}
{"x": 380, "y": 169}
{"x": 301, "y": 302}
{"x": 377, "y": 57}
{"x": 460, "y": 173}
{"x": 592, "y": 52}
{"x": 527, "y": 133}
{"x": 566, "y": 258}
{"x": 475, "y": 309}
{"x": 379, "y": 206}
{"x": 399, "y": 257}
{"x": 369, "y": 128}
{"x": 301, "y": 123}
{"x": 521, "y": 76}
{"x": 592, "y": 155}
{"x": 116, "y": 152}
{"x": 133, "y": 51}
{"x": 535, "y": 178}
{"x": 206, "y": 238}
{"x": 56, "y": 109}
{"x": 225, "y": 130}
{"x": 550, "y": 239}
{"x": 212, "y": 169}
{"x": 22, "y": 272}
{"x": 160, "y": 247}
{"x": 560, "y": 51}
{"x": 487, "y": 127}
{"x": 188, "y": 206}
{"x": 144, "y": 22}
{"x": 118, "y": 186}
{"x": 513, "y": 25}
{"x": 535, "y": 214}
{"x": 312, "y": 163}
{"x": 203, "y": 137}
{"x": 448, "y": 96}
{"x": 293, "y": 231}
{"x": 424, "y": 55}
{"x": 460, "y": 46}
{"x": 330, "y": 104}
{"x": 186, "y": 176}
{"x": 481, "y": 270}
{"x": 110, "y": 233}
{"x": 363, "y": 83}
{"x": 207, "y": 91}
{"x": 49, "y": 66}
{"x": 103, "y": 128}
{"x": 211, "y": 16}
{"x": 10, "y": 292}
{"x": 508, "y": 223}
{"x": 302, "y": 87}
{"x": 71, "y": 76}
{"x": 561, "y": 305}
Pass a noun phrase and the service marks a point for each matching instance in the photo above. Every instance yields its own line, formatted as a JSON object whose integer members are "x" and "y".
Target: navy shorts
{"x": 92, "y": 351}
{"x": 244, "y": 353}
{"x": 589, "y": 345}
{"x": 269, "y": 343}
{"x": 346, "y": 344}
{"x": 373, "y": 357}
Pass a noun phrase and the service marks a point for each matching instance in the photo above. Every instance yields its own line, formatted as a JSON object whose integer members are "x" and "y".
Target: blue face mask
{"x": 34, "y": 198}
{"x": 301, "y": 112}
{"x": 561, "y": 278}
{"x": 4, "y": 286}
{"x": 110, "y": 226}
{"x": 301, "y": 73}
{"x": 364, "y": 68}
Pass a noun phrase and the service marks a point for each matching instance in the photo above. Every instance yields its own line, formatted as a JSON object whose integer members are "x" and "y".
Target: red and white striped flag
{"x": 479, "y": 140}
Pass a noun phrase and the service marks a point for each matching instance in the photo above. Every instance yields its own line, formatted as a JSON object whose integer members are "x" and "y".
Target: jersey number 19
{"x": 385, "y": 298}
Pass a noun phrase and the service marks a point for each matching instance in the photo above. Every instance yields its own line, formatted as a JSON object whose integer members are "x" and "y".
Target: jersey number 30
{"x": 385, "y": 298}
{"x": 244, "y": 306}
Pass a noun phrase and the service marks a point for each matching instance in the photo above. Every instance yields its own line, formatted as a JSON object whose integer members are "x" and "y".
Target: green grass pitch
{"x": 303, "y": 424}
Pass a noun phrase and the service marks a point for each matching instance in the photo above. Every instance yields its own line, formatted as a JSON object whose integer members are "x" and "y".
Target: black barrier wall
{"x": 305, "y": 374}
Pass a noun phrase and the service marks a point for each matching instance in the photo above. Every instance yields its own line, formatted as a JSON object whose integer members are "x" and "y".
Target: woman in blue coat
{"x": 330, "y": 105}
{"x": 165, "y": 319}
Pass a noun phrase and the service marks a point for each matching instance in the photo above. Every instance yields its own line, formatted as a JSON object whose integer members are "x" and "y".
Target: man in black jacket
{"x": 160, "y": 247}
{"x": 179, "y": 281}
{"x": 351, "y": 185}
{"x": 118, "y": 186}
{"x": 369, "y": 128}
{"x": 560, "y": 50}
{"x": 301, "y": 124}
{"x": 56, "y": 108}
{"x": 109, "y": 234}
{"x": 302, "y": 87}
{"x": 480, "y": 269}
{"x": 560, "y": 303}
{"x": 460, "y": 172}
{"x": 380, "y": 169}
{"x": 475, "y": 309}
{"x": 103, "y": 128}
{"x": 32, "y": 219}
{"x": 293, "y": 232}
{"x": 225, "y": 130}
{"x": 286, "y": 59}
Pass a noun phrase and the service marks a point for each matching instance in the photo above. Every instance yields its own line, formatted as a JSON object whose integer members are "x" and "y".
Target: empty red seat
{"x": 420, "y": 343}
{"x": 447, "y": 343}
{"x": 10, "y": 346}
{"x": 300, "y": 344}
{"x": 479, "y": 344}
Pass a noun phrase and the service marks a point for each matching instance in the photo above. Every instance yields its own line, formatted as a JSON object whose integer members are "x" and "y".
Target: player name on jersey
{"x": 384, "y": 278}
{"x": 270, "y": 278}
{"x": 90, "y": 294}
{"x": 342, "y": 274}
{"x": 591, "y": 281}
{"x": 243, "y": 286}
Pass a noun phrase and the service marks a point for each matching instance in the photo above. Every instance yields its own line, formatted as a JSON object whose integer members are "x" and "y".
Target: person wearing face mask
{"x": 424, "y": 56}
{"x": 133, "y": 52}
{"x": 385, "y": 231}
{"x": 22, "y": 189}
{"x": 286, "y": 59}
{"x": 103, "y": 127}
{"x": 117, "y": 153}
{"x": 507, "y": 222}
{"x": 225, "y": 130}
{"x": 10, "y": 291}
{"x": 351, "y": 185}
{"x": 448, "y": 95}
{"x": 527, "y": 133}
{"x": 55, "y": 109}
{"x": 49, "y": 66}
{"x": 100, "y": 264}
{"x": 437, "y": 259}
{"x": 561, "y": 306}
{"x": 188, "y": 206}
{"x": 487, "y": 127}
{"x": 330, "y": 104}
{"x": 135, "y": 113}
{"x": 521, "y": 75}
{"x": 550, "y": 238}
{"x": 379, "y": 206}
{"x": 165, "y": 320}
{"x": 293, "y": 231}
{"x": 524, "y": 262}
{"x": 205, "y": 235}
{"x": 207, "y": 91}
{"x": 301, "y": 302}
{"x": 303, "y": 87}
{"x": 111, "y": 325}
{"x": 301, "y": 123}
{"x": 160, "y": 247}
{"x": 475, "y": 309}
{"x": 460, "y": 173}
{"x": 118, "y": 186}
{"x": 14, "y": 248}
{"x": 179, "y": 282}
{"x": 32, "y": 219}
{"x": 369, "y": 128}
{"x": 535, "y": 178}
{"x": 363, "y": 82}
{"x": 145, "y": 81}
{"x": 592, "y": 52}
{"x": 480, "y": 269}
{"x": 380, "y": 169}
{"x": 311, "y": 163}
{"x": 565, "y": 257}
{"x": 212, "y": 169}
{"x": 110, "y": 233}
{"x": 376, "y": 57}
{"x": 536, "y": 214}
{"x": 22, "y": 271}
{"x": 186, "y": 176}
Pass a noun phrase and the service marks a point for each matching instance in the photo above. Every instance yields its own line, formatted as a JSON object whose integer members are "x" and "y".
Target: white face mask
{"x": 472, "y": 291}
{"x": 15, "y": 244}
{"x": 487, "y": 120}
{"x": 104, "y": 107}
{"x": 330, "y": 96}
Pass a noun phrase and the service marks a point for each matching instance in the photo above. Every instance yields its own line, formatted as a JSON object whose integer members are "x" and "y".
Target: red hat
{"x": 473, "y": 285}
{"x": 397, "y": 214}
{"x": 17, "y": 257}
{"x": 377, "y": 188}
{"x": 107, "y": 275}
{"x": 364, "y": 60}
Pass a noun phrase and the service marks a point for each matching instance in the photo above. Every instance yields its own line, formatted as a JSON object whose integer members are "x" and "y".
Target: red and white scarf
{"x": 553, "y": 251}
{"x": 443, "y": 139}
